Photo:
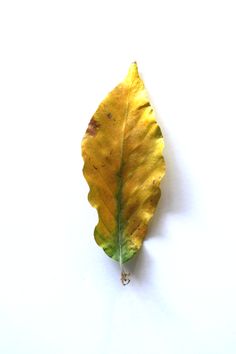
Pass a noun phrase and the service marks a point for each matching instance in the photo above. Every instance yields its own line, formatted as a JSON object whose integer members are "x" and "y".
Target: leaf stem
{"x": 125, "y": 280}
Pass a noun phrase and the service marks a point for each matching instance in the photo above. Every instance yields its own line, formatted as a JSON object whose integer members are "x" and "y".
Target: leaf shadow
{"x": 173, "y": 185}
{"x": 138, "y": 267}
{"x": 172, "y": 201}
{"x": 172, "y": 191}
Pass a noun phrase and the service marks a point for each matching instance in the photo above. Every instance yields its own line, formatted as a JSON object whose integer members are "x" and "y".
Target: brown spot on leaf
{"x": 92, "y": 127}
{"x": 109, "y": 115}
{"x": 147, "y": 104}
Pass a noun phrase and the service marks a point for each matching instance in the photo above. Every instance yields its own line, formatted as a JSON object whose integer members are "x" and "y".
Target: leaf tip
{"x": 133, "y": 70}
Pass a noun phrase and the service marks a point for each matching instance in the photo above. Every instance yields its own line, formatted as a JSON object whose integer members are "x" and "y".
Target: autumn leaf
{"x": 123, "y": 165}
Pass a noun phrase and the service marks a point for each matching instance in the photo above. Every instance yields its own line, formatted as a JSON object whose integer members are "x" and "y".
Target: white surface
{"x": 59, "y": 293}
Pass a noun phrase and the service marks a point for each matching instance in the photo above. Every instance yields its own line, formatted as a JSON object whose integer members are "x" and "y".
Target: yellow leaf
{"x": 123, "y": 165}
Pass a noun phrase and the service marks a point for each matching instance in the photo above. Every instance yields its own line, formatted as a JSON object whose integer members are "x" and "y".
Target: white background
{"x": 59, "y": 293}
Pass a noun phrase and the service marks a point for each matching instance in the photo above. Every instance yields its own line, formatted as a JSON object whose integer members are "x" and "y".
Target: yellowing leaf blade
{"x": 123, "y": 165}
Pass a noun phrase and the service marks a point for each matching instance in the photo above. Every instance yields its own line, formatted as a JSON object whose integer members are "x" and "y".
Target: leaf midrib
{"x": 120, "y": 183}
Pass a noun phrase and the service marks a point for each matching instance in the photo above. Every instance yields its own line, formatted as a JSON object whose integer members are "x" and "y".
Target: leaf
{"x": 123, "y": 165}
